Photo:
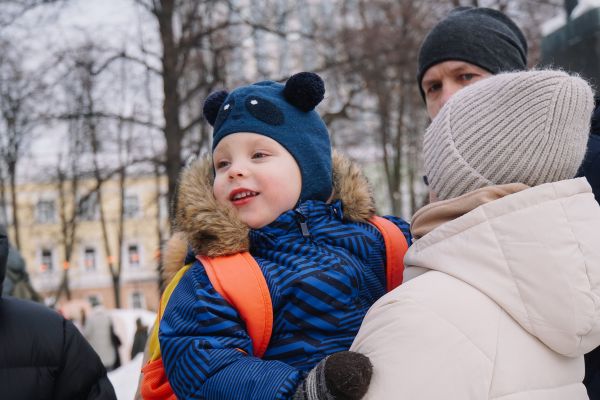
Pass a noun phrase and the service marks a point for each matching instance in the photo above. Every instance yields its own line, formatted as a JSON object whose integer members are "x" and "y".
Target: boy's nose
{"x": 237, "y": 171}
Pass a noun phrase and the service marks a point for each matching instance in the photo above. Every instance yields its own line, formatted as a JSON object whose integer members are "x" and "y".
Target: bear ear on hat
{"x": 304, "y": 90}
{"x": 212, "y": 104}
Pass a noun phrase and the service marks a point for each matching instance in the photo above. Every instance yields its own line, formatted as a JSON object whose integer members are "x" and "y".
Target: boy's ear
{"x": 304, "y": 90}
{"x": 212, "y": 104}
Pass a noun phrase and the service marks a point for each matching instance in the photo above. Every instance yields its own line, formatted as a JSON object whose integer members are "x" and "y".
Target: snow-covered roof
{"x": 557, "y": 22}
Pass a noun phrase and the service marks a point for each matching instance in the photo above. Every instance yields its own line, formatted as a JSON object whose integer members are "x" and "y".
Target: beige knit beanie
{"x": 527, "y": 127}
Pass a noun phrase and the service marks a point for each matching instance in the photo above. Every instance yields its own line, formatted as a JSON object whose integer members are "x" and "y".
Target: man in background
{"x": 468, "y": 45}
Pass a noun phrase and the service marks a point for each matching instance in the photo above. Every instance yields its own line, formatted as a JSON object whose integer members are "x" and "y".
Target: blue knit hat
{"x": 284, "y": 113}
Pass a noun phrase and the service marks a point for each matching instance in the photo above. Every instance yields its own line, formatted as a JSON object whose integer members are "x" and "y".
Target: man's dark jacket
{"x": 591, "y": 170}
{"x": 591, "y": 164}
{"x": 42, "y": 355}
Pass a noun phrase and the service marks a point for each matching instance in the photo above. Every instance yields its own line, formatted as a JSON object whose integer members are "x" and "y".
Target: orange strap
{"x": 155, "y": 385}
{"x": 240, "y": 281}
{"x": 395, "y": 248}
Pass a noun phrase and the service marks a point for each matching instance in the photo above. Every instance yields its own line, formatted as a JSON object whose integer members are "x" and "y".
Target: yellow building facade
{"x": 45, "y": 239}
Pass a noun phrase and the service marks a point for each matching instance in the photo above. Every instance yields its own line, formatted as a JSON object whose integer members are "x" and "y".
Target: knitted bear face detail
{"x": 303, "y": 90}
{"x": 256, "y": 106}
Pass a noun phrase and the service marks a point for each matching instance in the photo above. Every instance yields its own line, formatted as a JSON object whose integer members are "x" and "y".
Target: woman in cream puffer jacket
{"x": 501, "y": 298}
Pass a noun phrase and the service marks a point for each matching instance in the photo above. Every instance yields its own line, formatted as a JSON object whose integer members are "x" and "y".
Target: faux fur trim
{"x": 210, "y": 228}
{"x": 214, "y": 230}
{"x": 353, "y": 189}
{"x": 174, "y": 252}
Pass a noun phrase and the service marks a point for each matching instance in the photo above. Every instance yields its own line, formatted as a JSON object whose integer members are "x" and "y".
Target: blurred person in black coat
{"x": 42, "y": 355}
{"x": 139, "y": 338}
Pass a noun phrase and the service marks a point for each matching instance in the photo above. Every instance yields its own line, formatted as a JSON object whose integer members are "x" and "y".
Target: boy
{"x": 273, "y": 195}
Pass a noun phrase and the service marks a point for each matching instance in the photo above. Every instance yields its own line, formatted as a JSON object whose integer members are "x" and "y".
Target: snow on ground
{"x": 125, "y": 379}
{"x": 124, "y": 325}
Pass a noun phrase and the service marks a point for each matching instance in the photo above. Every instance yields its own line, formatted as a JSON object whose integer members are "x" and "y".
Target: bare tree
{"x": 67, "y": 178}
{"x": 19, "y": 93}
{"x": 12, "y": 10}
{"x": 380, "y": 39}
{"x": 189, "y": 35}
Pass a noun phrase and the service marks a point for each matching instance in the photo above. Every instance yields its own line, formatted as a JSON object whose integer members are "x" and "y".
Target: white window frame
{"x": 6, "y": 211}
{"x": 142, "y": 299}
{"x": 84, "y": 259}
{"x": 44, "y": 268}
{"x": 127, "y": 214}
{"x": 128, "y": 258}
{"x": 45, "y": 218}
{"x": 85, "y": 212}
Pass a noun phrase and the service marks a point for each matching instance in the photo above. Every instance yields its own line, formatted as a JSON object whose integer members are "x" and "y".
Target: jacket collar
{"x": 297, "y": 222}
{"x": 435, "y": 214}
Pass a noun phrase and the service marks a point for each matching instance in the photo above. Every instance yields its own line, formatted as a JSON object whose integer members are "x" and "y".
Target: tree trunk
{"x": 171, "y": 105}
{"x": 159, "y": 232}
{"x": 399, "y": 149}
{"x": 12, "y": 173}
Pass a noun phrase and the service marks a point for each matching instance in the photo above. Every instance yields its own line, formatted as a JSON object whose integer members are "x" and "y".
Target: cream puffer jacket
{"x": 506, "y": 303}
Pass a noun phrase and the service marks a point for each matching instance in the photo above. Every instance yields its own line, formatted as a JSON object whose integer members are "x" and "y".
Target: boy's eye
{"x": 467, "y": 77}
{"x": 221, "y": 164}
{"x": 259, "y": 154}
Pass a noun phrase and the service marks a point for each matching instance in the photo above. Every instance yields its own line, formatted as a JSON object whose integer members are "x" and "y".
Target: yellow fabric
{"x": 153, "y": 344}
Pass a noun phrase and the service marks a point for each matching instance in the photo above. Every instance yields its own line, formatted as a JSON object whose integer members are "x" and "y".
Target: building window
{"x": 89, "y": 259}
{"x": 5, "y": 213}
{"x": 137, "y": 300}
{"x": 131, "y": 206}
{"x": 133, "y": 255}
{"x": 46, "y": 261}
{"x": 88, "y": 208}
{"x": 45, "y": 211}
{"x": 94, "y": 300}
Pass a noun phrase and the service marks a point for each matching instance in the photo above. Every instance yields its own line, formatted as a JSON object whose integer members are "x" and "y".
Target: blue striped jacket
{"x": 323, "y": 269}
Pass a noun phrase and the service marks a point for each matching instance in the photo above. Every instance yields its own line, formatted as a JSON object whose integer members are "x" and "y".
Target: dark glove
{"x": 341, "y": 376}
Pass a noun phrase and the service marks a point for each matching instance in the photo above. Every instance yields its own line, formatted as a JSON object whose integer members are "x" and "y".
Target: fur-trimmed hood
{"x": 214, "y": 230}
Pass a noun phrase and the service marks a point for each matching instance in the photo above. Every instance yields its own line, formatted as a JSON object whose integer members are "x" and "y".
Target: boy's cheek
{"x": 218, "y": 190}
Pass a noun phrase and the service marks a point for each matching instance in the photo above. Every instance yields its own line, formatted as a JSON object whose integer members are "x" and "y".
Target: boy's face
{"x": 256, "y": 176}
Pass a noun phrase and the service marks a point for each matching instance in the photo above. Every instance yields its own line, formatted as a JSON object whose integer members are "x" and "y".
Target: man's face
{"x": 442, "y": 80}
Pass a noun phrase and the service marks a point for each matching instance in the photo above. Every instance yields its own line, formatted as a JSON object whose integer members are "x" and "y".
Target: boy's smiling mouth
{"x": 242, "y": 196}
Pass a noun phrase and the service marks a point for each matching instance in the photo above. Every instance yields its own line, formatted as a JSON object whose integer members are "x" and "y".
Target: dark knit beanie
{"x": 480, "y": 36}
{"x": 284, "y": 113}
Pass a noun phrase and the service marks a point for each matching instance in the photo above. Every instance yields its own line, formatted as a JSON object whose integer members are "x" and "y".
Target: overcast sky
{"x": 46, "y": 30}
